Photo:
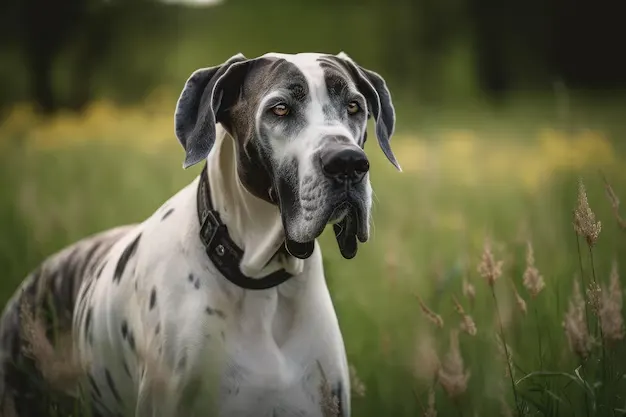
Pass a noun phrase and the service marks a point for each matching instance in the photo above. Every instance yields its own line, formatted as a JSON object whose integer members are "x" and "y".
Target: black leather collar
{"x": 220, "y": 248}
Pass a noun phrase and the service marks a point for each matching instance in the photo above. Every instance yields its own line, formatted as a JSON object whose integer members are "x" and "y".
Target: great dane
{"x": 217, "y": 305}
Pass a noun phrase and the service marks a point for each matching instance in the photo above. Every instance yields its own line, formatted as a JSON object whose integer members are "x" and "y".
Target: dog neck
{"x": 253, "y": 224}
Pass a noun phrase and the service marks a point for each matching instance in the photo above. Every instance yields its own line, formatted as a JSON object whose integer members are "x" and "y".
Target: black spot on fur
{"x": 124, "y": 258}
{"x": 88, "y": 257}
{"x": 70, "y": 261}
{"x": 127, "y": 370}
{"x": 131, "y": 341}
{"x": 196, "y": 284}
{"x": 152, "y": 298}
{"x": 214, "y": 311}
{"x": 167, "y": 213}
{"x": 124, "y": 329}
{"x": 94, "y": 386}
{"x": 157, "y": 329}
{"x": 66, "y": 286}
{"x": 104, "y": 263}
{"x": 112, "y": 386}
{"x": 182, "y": 362}
{"x": 190, "y": 277}
{"x": 84, "y": 291}
{"x": 31, "y": 290}
{"x": 88, "y": 321}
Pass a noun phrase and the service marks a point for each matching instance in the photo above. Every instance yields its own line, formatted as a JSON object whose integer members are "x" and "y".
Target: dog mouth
{"x": 349, "y": 228}
{"x": 349, "y": 222}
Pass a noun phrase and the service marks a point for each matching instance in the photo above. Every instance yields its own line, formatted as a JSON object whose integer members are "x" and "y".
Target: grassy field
{"x": 506, "y": 179}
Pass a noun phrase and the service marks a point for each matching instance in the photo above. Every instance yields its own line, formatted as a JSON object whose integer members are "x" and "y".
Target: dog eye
{"x": 353, "y": 107}
{"x": 280, "y": 110}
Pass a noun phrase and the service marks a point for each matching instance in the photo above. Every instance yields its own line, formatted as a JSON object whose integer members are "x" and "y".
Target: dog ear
{"x": 207, "y": 94}
{"x": 375, "y": 90}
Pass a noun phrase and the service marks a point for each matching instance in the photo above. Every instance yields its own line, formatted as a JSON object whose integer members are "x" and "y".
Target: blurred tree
{"x": 438, "y": 23}
{"x": 587, "y": 43}
{"x": 491, "y": 20}
{"x": 46, "y": 27}
{"x": 393, "y": 25}
{"x": 49, "y": 29}
{"x": 74, "y": 50}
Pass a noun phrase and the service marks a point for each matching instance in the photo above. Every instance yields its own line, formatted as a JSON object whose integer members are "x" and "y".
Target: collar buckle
{"x": 221, "y": 250}
{"x": 210, "y": 226}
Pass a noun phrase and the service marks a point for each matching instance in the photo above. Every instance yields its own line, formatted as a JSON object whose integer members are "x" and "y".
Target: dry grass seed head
{"x": 519, "y": 301}
{"x": 358, "y": 387}
{"x": 57, "y": 363}
{"x": 430, "y": 314}
{"x": 611, "y": 320}
{"x": 427, "y": 363}
{"x": 575, "y": 325}
{"x": 431, "y": 411}
{"x": 329, "y": 401}
{"x": 594, "y": 297}
{"x": 610, "y": 194}
{"x": 468, "y": 325}
{"x": 467, "y": 322}
{"x": 489, "y": 268}
{"x": 469, "y": 291}
{"x": 584, "y": 219}
{"x": 452, "y": 376}
{"x": 159, "y": 375}
{"x": 532, "y": 279}
{"x": 614, "y": 200}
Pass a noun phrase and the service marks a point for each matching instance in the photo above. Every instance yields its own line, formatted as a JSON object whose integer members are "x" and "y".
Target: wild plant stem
{"x": 539, "y": 339}
{"x": 593, "y": 272}
{"x": 506, "y": 350}
{"x": 582, "y": 366}
{"x": 457, "y": 405}
{"x": 582, "y": 278}
{"x": 545, "y": 384}
{"x": 419, "y": 402}
{"x": 593, "y": 269}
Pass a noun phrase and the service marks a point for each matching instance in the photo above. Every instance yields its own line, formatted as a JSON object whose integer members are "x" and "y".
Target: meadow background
{"x": 502, "y": 110}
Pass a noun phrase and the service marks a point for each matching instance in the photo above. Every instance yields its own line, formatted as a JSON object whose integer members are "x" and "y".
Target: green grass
{"x": 63, "y": 180}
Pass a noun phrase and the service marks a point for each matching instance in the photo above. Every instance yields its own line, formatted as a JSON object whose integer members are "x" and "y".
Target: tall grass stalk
{"x": 506, "y": 352}
{"x": 598, "y": 325}
{"x": 595, "y": 281}
{"x": 537, "y": 322}
{"x": 582, "y": 278}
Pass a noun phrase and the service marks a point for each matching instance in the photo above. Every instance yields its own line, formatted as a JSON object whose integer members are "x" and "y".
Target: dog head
{"x": 299, "y": 122}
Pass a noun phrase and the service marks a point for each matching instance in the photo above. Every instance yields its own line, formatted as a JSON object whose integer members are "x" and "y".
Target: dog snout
{"x": 345, "y": 163}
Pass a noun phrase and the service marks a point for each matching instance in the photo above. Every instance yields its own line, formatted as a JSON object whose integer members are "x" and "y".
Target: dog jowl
{"x": 300, "y": 125}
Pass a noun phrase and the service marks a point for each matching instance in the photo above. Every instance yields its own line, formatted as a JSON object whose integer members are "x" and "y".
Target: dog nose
{"x": 345, "y": 164}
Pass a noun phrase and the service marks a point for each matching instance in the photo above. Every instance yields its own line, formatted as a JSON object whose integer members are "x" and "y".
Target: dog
{"x": 217, "y": 305}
